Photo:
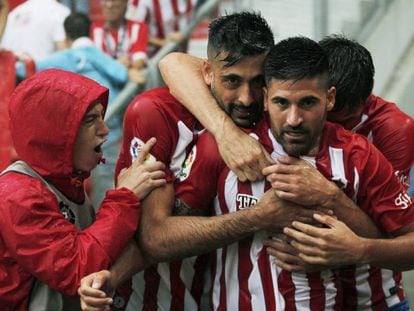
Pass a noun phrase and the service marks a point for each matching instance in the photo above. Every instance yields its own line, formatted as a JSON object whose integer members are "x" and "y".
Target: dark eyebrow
{"x": 231, "y": 76}
{"x": 278, "y": 98}
{"x": 310, "y": 97}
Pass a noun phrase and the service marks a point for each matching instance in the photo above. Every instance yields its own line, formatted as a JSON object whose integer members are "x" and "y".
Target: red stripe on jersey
{"x": 158, "y": 19}
{"x": 178, "y": 290}
{"x": 245, "y": 269}
{"x": 267, "y": 281}
{"x": 317, "y": 291}
{"x": 377, "y": 293}
{"x": 176, "y": 11}
{"x": 339, "y": 294}
{"x": 287, "y": 289}
{"x": 222, "y": 299}
{"x": 152, "y": 281}
{"x": 198, "y": 281}
{"x": 347, "y": 276}
{"x": 213, "y": 272}
{"x": 397, "y": 276}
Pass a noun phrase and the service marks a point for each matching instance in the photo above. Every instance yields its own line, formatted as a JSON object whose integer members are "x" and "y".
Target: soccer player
{"x": 298, "y": 98}
{"x": 351, "y": 70}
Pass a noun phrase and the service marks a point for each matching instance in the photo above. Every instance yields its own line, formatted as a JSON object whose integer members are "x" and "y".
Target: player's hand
{"x": 244, "y": 155}
{"x": 333, "y": 244}
{"x": 276, "y": 213}
{"x": 297, "y": 181}
{"x": 95, "y": 291}
{"x": 143, "y": 175}
{"x": 286, "y": 256}
{"x": 137, "y": 76}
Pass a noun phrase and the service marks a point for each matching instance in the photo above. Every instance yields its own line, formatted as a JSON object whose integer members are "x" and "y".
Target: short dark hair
{"x": 240, "y": 35}
{"x": 351, "y": 70}
{"x": 296, "y": 58}
{"x": 77, "y": 25}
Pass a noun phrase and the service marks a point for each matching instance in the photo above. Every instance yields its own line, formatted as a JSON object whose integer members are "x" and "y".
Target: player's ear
{"x": 330, "y": 98}
{"x": 265, "y": 104}
{"x": 207, "y": 72}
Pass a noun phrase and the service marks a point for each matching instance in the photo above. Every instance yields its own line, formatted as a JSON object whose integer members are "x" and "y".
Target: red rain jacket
{"x": 36, "y": 241}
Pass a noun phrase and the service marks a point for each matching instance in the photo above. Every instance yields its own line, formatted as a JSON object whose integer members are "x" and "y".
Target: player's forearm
{"x": 183, "y": 75}
{"x": 348, "y": 212}
{"x": 130, "y": 262}
{"x": 395, "y": 254}
{"x": 182, "y": 236}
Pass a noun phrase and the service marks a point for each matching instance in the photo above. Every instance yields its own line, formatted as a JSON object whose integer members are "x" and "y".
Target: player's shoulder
{"x": 387, "y": 115}
{"x": 336, "y": 136}
{"x": 206, "y": 144}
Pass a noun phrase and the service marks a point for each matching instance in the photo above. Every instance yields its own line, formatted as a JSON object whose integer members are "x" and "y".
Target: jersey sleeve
{"x": 395, "y": 139}
{"x": 380, "y": 193}
{"x": 198, "y": 181}
{"x": 53, "y": 250}
{"x": 143, "y": 120}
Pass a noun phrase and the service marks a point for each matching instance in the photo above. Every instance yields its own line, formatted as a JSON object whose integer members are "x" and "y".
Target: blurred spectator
{"x": 166, "y": 20}
{"x": 81, "y": 6}
{"x": 4, "y": 11}
{"x": 84, "y": 58}
{"x": 36, "y": 28}
{"x": 124, "y": 40}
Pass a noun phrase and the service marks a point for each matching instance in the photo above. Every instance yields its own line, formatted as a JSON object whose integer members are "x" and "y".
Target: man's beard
{"x": 303, "y": 145}
{"x": 235, "y": 111}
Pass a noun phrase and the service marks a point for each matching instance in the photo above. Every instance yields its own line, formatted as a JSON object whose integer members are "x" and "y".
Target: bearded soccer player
{"x": 298, "y": 98}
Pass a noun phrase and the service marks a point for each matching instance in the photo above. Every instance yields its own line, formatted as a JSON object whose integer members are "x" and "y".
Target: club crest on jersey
{"x": 245, "y": 201}
{"x": 136, "y": 147}
{"x": 186, "y": 168}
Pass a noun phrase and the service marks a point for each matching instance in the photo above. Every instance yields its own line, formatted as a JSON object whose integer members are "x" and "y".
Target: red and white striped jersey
{"x": 130, "y": 40}
{"x": 162, "y": 16}
{"x": 243, "y": 276}
{"x": 237, "y": 271}
{"x": 391, "y": 131}
{"x": 156, "y": 113}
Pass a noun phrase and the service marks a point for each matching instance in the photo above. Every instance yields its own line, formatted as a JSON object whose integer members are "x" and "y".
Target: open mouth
{"x": 98, "y": 148}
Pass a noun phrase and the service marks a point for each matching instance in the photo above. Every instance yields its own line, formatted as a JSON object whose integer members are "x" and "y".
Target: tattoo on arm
{"x": 182, "y": 209}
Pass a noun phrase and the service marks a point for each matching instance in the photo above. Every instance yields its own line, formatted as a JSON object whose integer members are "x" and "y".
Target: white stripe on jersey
{"x": 356, "y": 184}
{"x": 185, "y": 137}
{"x": 98, "y": 37}
{"x": 331, "y": 291}
{"x": 231, "y": 276}
{"x": 388, "y": 282}
{"x": 302, "y": 291}
{"x": 216, "y": 285}
{"x": 134, "y": 32}
{"x": 136, "y": 300}
{"x": 255, "y": 283}
{"x": 362, "y": 286}
{"x": 337, "y": 166}
{"x": 164, "y": 288}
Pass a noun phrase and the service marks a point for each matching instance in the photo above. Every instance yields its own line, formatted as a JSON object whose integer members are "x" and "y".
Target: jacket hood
{"x": 46, "y": 111}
